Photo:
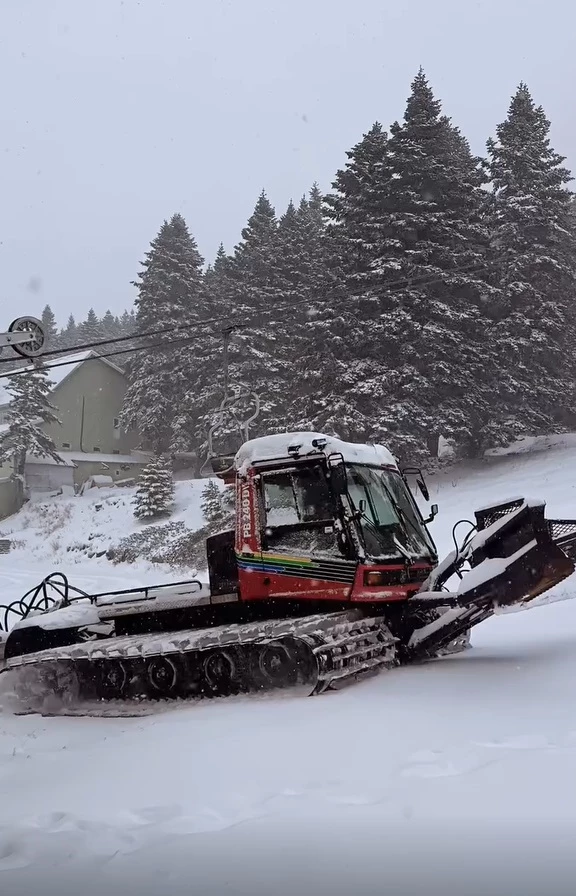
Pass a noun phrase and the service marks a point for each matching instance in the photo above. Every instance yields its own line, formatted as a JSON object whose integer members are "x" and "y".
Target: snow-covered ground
{"x": 457, "y": 776}
{"x": 63, "y": 530}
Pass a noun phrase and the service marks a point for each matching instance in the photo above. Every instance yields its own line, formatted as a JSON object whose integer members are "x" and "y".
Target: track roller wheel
{"x": 112, "y": 680}
{"x": 221, "y": 672}
{"x": 274, "y": 666}
{"x": 163, "y": 676}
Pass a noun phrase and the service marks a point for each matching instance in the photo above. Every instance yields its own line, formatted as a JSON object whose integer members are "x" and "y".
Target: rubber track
{"x": 323, "y": 651}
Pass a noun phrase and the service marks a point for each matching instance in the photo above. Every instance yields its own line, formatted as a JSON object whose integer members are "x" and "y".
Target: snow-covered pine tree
{"x": 69, "y": 335}
{"x": 155, "y": 493}
{"x": 289, "y": 236}
{"x": 253, "y": 259}
{"x": 355, "y": 207}
{"x": 311, "y": 210}
{"x": 289, "y": 289}
{"x": 252, "y": 271}
{"x": 219, "y": 284}
{"x": 170, "y": 294}
{"x": 215, "y": 513}
{"x": 533, "y": 327}
{"x": 432, "y": 332}
{"x": 415, "y": 284}
{"x": 127, "y": 323}
{"x": 90, "y": 330}
{"x": 343, "y": 339}
{"x": 110, "y": 326}
{"x": 50, "y": 329}
{"x": 205, "y": 387}
{"x": 305, "y": 283}
{"x": 29, "y": 408}
{"x": 301, "y": 267}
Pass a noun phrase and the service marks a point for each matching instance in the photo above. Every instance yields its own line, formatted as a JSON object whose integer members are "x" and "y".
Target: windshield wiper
{"x": 378, "y": 535}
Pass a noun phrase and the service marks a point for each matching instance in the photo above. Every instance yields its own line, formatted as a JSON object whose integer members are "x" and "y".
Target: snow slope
{"x": 451, "y": 777}
{"x": 62, "y": 532}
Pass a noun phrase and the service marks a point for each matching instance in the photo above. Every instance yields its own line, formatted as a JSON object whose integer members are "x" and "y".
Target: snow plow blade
{"x": 513, "y": 558}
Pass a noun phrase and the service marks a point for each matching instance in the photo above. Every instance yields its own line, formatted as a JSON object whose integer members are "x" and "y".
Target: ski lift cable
{"x": 423, "y": 280}
{"x": 112, "y": 341}
{"x": 246, "y": 324}
{"x": 19, "y": 371}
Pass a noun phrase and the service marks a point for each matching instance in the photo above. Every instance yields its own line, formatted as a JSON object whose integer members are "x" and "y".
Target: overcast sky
{"x": 117, "y": 113}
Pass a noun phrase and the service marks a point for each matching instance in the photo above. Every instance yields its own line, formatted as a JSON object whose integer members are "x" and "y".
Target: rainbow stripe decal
{"x": 299, "y": 567}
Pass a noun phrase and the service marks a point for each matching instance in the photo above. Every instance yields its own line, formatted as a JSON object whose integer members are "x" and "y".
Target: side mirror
{"x": 433, "y": 513}
{"x": 338, "y": 479}
{"x": 416, "y": 471}
{"x": 362, "y": 506}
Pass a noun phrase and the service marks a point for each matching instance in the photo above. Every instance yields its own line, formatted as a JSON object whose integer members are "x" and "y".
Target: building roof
{"x": 73, "y": 458}
{"x": 48, "y": 461}
{"x": 57, "y": 375}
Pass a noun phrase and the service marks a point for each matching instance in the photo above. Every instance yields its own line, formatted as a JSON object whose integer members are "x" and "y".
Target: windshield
{"x": 389, "y": 516}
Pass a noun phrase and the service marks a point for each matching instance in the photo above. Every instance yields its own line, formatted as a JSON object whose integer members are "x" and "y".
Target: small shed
{"x": 45, "y": 475}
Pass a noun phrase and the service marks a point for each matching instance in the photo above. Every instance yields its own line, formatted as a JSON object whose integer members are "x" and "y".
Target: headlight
{"x": 382, "y": 577}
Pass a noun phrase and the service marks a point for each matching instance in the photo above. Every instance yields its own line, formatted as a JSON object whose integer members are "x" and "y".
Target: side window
{"x": 302, "y": 496}
{"x": 315, "y": 502}
{"x": 280, "y": 500}
{"x": 299, "y": 514}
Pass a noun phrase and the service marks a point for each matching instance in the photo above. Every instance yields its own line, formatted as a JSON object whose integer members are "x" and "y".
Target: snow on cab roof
{"x": 56, "y": 375}
{"x": 276, "y": 447}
